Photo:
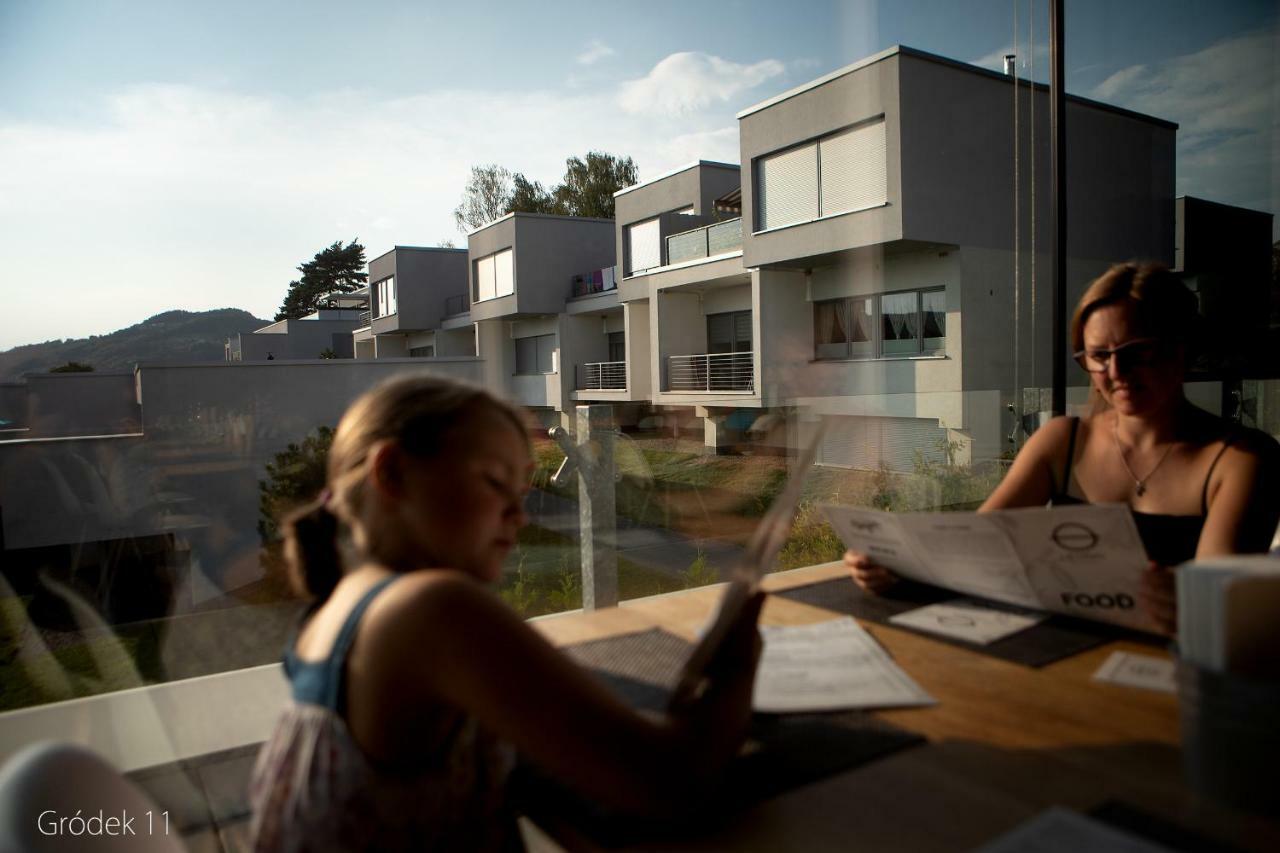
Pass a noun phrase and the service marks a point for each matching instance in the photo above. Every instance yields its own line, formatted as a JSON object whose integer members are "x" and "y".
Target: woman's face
{"x": 1141, "y": 374}
{"x": 464, "y": 507}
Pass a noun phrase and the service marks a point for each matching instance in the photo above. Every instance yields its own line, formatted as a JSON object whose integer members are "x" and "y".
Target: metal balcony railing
{"x": 705, "y": 242}
{"x": 456, "y": 304}
{"x": 365, "y": 319}
{"x": 726, "y": 371}
{"x": 602, "y": 376}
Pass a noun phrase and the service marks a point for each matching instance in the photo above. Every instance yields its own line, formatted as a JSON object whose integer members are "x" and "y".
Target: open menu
{"x": 1083, "y": 560}
{"x": 744, "y": 578}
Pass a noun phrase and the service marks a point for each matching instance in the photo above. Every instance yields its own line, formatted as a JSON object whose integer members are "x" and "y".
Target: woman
{"x": 1198, "y": 485}
{"x": 413, "y": 680}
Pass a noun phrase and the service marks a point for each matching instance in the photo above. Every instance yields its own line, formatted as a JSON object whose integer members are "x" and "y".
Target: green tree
{"x": 336, "y": 269}
{"x": 530, "y": 197}
{"x": 589, "y": 184}
{"x": 587, "y": 190}
{"x": 73, "y": 367}
{"x": 295, "y": 476}
{"x": 486, "y": 196}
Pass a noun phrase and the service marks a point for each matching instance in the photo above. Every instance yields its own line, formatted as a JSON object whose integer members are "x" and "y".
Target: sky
{"x": 161, "y": 155}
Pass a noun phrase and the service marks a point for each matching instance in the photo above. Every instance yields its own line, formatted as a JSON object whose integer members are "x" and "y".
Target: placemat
{"x": 783, "y": 751}
{"x": 1056, "y": 638}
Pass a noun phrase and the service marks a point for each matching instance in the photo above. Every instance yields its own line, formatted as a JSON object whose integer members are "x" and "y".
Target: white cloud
{"x": 1224, "y": 100}
{"x": 596, "y": 51}
{"x": 684, "y": 83}
{"x": 186, "y": 197}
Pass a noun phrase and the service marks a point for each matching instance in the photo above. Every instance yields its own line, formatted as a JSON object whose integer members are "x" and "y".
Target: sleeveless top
{"x": 313, "y": 789}
{"x": 1168, "y": 539}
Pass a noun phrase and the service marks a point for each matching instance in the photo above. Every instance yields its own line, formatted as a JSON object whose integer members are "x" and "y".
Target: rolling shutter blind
{"x": 853, "y": 169}
{"x": 485, "y": 279}
{"x": 865, "y": 442}
{"x": 504, "y": 274}
{"x": 788, "y": 187}
{"x": 645, "y": 244}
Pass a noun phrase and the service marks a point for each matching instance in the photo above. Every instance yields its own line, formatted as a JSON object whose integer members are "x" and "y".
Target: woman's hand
{"x": 873, "y": 578}
{"x": 1158, "y": 594}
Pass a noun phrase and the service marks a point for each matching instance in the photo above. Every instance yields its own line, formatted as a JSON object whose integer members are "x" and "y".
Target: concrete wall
{"x": 425, "y": 278}
{"x": 13, "y": 405}
{"x": 548, "y": 251}
{"x": 300, "y": 339}
{"x": 639, "y": 345}
{"x": 62, "y": 404}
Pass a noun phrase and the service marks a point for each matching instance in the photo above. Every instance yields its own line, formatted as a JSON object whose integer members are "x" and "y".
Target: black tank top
{"x": 1168, "y": 539}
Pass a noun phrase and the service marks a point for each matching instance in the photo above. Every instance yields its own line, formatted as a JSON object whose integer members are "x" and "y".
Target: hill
{"x": 171, "y": 336}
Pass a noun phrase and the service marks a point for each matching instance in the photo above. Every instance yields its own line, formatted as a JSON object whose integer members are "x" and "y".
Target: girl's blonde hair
{"x": 417, "y": 413}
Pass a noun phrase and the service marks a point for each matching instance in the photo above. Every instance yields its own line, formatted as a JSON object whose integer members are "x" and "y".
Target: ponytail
{"x": 311, "y": 550}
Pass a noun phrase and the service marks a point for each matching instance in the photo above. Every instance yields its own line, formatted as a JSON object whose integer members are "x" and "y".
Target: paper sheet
{"x": 1084, "y": 560}
{"x": 970, "y": 621}
{"x": 1059, "y": 830}
{"x": 829, "y": 666}
{"x": 1145, "y": 671}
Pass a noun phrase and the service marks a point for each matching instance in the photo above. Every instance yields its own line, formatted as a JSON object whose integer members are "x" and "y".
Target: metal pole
{"x": 1058, "y": 193}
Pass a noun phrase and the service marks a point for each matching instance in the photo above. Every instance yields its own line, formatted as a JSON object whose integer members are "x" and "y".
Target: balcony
{"x": 602, "y": 376}
{"x": 366, "y": 317}
{"x": 455, "y": 305}
{"x": 596, "y": 281}
{"x": 705, "y": 242}
{"x": 725, "y": 371}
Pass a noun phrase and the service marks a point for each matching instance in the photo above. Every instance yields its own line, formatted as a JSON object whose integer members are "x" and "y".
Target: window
{"x": 495, "y": 276}
{"x": 729, "y": 332}
{"x": 888, "y": 325}
{"x": 644, "y": 246}
{"x": 617, "y": 346}
{"x": 536, "y": 354}
{"x": 837, "y": 173}
{"x": 428, "y": 351}
{"x": 386, "y": 297}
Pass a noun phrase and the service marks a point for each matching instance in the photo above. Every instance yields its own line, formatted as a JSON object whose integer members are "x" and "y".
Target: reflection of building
{"x": 419, "y": 305}
{"x": 324, "y": 333}
{"x": 881, "y": 232}
{"x": 523, "y": 268}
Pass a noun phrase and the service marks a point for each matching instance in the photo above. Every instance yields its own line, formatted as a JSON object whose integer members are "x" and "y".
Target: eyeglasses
{"x": 1140, "y": 352}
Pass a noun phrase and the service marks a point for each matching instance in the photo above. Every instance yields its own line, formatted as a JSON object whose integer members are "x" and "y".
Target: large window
{"x": 617, "y": 346}
{"x": 887, "y": 325}
{"x": 837, "y": 173}
{"x": 729, "y": 332}
{"x": 536, "y": 354}
{"x": 494, "y": 276}
{"x": 644, "y": 246}
{"x": 386, "y": 297}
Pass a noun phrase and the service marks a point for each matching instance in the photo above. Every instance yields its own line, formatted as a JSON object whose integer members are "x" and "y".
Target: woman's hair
{"x": 1162, "y": 304}
{"x": 417, "y": 413}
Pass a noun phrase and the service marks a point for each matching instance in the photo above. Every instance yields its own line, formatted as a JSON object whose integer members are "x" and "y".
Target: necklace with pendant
{"x": 1139, "y": 483}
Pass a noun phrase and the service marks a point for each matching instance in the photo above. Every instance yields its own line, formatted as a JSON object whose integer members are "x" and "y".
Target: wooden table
{"x": 1004, "y": 742}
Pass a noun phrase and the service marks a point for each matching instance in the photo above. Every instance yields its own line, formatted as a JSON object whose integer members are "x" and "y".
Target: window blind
{"x": 485, "y": 281}
{"x": 504, "y": 273}
{"x": 788, "y": 187}
{"x": 853, "y": 169}
{"x": 645, "y": 242}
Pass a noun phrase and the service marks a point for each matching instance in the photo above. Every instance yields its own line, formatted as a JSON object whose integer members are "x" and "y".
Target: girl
{"x": 1199, "y": 486}
{"x": 413, "y": 681}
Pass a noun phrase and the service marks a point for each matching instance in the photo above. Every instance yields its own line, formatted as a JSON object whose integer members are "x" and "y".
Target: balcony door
{"x": 729, "y": 332}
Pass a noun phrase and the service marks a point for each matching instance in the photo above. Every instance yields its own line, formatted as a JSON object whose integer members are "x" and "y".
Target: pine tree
{"x": 337, "y": 269}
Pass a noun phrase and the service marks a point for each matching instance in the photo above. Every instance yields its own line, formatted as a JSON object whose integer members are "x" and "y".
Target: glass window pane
{"x": 862, "y": 340}
{"x": 933, "y": 311}
{"x": 899, "y": 323}
{"x": 546, "y": 345}
{"x": 830, "y": 335}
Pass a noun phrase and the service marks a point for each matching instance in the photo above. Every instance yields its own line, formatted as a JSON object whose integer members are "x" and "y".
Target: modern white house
{"x": 875, "y": 274}
{"x": 523, "y": 269}
{"x": 418, "y": 305}
{"x": 324, "y": 333}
